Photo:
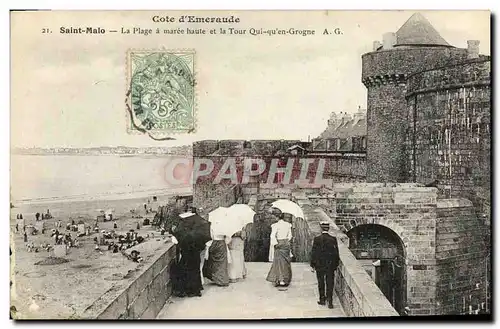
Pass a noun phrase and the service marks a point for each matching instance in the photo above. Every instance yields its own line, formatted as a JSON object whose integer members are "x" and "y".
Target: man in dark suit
{"x": 325, "y": 260}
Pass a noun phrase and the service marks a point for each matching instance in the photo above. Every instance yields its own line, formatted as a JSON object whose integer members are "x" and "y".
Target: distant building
{"x": 345, "y": 133}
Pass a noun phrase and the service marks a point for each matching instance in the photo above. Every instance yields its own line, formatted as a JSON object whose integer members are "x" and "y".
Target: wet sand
{"x": 65, "y": 290}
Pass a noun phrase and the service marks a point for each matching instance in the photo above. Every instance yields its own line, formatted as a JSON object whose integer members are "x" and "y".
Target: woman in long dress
{"x": 216, "y": 266}
{"x": 186, "y": 272}
{"x": 280, "y": 254}
{"x": 189, "y": 270}
{"x": 236, "y": 268}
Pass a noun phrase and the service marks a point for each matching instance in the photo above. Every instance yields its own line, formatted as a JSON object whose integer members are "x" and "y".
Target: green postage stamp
{"x": 161, "y": 97}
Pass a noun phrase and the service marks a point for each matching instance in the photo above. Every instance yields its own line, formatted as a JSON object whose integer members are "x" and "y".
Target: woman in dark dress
{"x": 189, "y": 271}
{"x": 216, "y": 267}
{"x": 186, "y": 274}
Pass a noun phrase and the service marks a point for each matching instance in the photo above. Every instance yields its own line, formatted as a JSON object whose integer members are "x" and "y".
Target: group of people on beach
{"x": 43, "y": 216}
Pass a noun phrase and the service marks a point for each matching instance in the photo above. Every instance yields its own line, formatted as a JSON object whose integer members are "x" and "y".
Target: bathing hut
{"x": 60, "y": 250}
{"x": 40, "y": 226}
{"x": 108, "y": 215}
{"x": 30, "y": 229}
{"x": 81, "y": 228}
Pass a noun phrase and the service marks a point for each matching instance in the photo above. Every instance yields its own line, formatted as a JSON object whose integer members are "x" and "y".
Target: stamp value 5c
{"x": 161, "y": 92}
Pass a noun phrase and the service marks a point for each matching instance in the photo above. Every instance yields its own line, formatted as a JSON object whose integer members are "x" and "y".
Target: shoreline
{"x": 114, "y": 196}
{"x": 152, "y": 155}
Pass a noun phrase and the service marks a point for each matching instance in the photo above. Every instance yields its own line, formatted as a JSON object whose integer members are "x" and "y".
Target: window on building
{"x": 356, "y": 144}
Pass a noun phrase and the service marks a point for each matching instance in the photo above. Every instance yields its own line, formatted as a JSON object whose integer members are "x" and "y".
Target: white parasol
{"x": 242, "y": 212}
{"x": 289, "y": 207}
{"x": 217, "y": 215}
{"x": 226, "y": 221}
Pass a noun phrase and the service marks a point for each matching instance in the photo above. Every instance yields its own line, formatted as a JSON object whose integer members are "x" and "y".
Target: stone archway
{"x": 382, "y": 253}
{"x": 390, "y": 224}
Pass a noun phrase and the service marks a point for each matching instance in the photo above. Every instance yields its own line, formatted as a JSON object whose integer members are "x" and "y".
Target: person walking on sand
{"x": 280, "y": 251}
{"x": 325, "y": 260}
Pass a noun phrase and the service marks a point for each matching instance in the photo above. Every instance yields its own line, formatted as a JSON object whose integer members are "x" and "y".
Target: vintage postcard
{"x": 250, "y": 164}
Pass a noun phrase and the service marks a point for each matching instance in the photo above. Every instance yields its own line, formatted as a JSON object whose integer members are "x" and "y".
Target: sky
{"x": 69, "y": 90}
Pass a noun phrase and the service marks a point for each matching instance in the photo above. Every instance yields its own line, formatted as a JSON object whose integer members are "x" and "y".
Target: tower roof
{"x": 418, "y": 31}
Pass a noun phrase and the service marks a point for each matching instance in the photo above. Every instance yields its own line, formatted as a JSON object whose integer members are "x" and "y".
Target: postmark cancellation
{"x": 161, "y": 95}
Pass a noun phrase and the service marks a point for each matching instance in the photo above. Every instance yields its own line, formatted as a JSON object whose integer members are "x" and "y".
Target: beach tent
{"x": 40, "y": 226}
{"x": 109, "y": 214}
{"x": 30, "y": 229}
{"x": 81, "y": 227}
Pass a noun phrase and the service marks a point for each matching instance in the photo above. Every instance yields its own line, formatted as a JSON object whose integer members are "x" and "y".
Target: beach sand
{"x": 65, "y": 290}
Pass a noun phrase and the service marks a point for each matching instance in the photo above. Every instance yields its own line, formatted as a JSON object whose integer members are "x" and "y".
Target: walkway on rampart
{"x": 255, "y": 298}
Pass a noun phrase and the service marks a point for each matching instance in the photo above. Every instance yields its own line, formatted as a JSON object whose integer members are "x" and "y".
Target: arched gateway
{"x": 382, "y": 254}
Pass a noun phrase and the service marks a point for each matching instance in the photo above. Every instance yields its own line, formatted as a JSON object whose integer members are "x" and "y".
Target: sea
{"x": 48, "y": 178}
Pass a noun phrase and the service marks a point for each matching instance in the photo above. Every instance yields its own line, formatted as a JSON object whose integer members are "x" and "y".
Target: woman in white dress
{"x": 237, "y": 269}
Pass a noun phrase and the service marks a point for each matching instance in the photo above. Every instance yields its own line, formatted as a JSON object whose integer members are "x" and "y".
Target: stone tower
{"x": 415, "y": 47}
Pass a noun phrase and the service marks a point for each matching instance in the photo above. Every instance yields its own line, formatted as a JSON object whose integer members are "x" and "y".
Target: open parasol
{"x": 217, "y": 214}
{"x": 225, "y": 221}
{"x": 193, "y": 232}
{"x": 289, "y": 207}
{"x": 242, "y": 212}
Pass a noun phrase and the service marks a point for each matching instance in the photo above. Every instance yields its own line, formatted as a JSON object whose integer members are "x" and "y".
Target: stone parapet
{"x": 143, "y": 297}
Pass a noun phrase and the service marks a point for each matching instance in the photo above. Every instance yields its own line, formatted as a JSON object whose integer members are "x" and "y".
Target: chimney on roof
{"x": 346, "y": 117}
{"x": 333, "y": 118}
{"x": 472, "y": 48}
{"x": 359, "y": 115}
{"x": 376, "y": 45}
{"x": 389, "y": 40}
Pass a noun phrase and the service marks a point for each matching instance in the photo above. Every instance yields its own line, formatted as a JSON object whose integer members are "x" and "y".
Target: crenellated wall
{"x": 408, "y": 60}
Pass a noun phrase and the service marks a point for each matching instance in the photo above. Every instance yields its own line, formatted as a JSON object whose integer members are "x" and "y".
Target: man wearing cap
{"x": 325, "y": 260}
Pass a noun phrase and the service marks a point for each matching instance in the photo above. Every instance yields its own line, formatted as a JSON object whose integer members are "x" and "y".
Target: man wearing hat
{"x": 325, "y": 260}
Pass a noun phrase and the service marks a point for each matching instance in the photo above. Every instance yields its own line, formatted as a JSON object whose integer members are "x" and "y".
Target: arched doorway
{"x": 382, "y": 253}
